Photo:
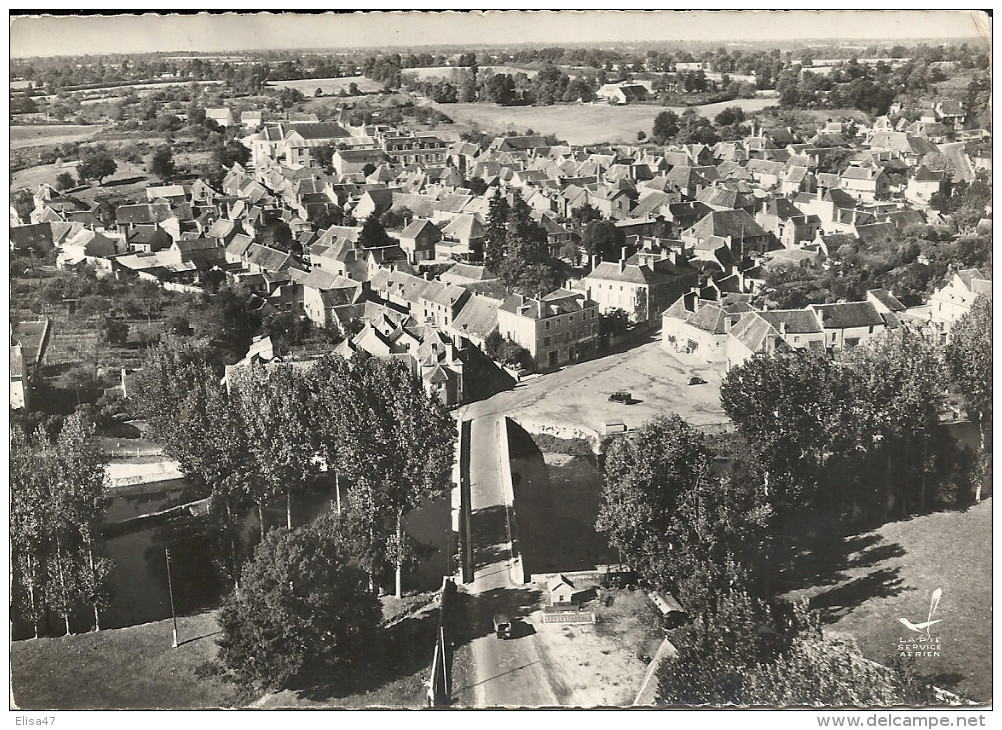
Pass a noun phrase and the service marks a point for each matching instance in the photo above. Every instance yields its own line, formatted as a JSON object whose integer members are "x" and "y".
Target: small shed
{"x": 561, "y": 589}
{"x": 672, "y": 613}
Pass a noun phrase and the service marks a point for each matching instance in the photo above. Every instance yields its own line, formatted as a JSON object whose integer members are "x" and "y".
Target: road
{"x": 955, "y": 151}
{"x": 500, "y": 672}
{"x": 489, "y": 672}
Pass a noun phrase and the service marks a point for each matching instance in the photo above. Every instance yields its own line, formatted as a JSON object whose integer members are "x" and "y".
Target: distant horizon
{"x": 53, "y": 36}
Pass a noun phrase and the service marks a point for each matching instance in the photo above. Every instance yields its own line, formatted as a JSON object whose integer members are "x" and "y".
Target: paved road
{"x": 955, "y": 151}
{"x": 501, "y": 672}
{"x": 489, "y": 671}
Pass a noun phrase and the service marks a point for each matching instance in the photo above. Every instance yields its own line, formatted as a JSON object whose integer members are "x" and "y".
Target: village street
{"x": 501, "y": 672}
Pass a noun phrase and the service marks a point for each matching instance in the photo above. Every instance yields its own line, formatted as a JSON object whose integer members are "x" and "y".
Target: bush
{"x": 64, "y": 181}
{"x": 114, "y": 331}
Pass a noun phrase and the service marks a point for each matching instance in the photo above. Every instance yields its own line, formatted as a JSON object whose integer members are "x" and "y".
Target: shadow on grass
{"x": 123, "y": 181}
{"x": 825, "y": 564}
{"x": 947, "y": 680}
{"x": 401, "y": 650}
{"x": 837, "y": 602}
{"x": 198, "y": 638}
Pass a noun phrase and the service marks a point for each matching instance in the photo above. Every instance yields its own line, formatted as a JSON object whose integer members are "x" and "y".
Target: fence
{"x": 440, "y": 676}
{"x": 516, "y": 570}
{"x": 463, "y": 527}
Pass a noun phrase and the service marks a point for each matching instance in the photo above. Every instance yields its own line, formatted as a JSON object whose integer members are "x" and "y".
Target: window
{"x": 547, "y": 325}
{"x": 570, "y": 319}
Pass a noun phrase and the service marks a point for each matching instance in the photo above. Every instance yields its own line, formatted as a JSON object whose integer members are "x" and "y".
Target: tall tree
{"x": 96, "y": 165}
{"x": 797, "y": 410}
{"x": 646, "y": 478}
{"x": 603, "y": 238}
{"x": 81, "y": 502}
{"x": 903, "y": 377}
{"x": 373, "y": 235}
{"x": 31, "y": 474}
{"x": 410, "y": 438}
{"x": 274, "y": 406}
{"x": 969, "y": 356}
{"x": 162, "y": 163}
{"x": 666, "y": 126}
{"x": 496, "y": 232}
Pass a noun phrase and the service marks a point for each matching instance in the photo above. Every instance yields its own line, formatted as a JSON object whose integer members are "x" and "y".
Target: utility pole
{"x": 170, "y": 591}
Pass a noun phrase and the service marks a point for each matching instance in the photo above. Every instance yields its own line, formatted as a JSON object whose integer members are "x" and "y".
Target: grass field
{"x": 136, "y": 668}
{"x": 330, "y": 87}
{"x": 132, "y": 668}
{"x": 891, "y": 573}
{"x": 34, "y": 135}
{"x": 579, "y": 123}
{"x": 445, "y": 72}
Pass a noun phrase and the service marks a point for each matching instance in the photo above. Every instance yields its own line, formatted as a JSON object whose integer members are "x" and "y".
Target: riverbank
{"x": 132, "y": 668}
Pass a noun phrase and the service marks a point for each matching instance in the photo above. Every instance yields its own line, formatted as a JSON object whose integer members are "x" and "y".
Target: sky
{"x": 72, "y": 35}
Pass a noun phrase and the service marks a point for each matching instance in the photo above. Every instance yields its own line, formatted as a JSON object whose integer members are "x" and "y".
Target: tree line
{"x": 306, "y": 600}
{"x": 270, "y": 432}
{"x": 58, "y": 497}
{"x": 826, "y": 445}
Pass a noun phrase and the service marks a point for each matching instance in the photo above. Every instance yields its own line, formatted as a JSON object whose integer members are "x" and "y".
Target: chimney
{"x": 539, "y": 306}
{"x": 596, "y": 259}
{"x": 623, "y": 252}
{"x": 622, "y": 265}
{"x": 427, "y": 276}
{"x": 782, "y": 328}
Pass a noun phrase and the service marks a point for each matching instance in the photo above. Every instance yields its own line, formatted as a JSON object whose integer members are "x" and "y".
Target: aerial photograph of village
{"x": 595, "y": 359}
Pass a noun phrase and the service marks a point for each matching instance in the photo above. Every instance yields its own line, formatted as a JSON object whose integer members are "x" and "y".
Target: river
{"x": 199, "y": 558}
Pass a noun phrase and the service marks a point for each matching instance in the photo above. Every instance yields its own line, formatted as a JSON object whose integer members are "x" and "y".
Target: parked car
{"x": 696, "y": 380}
{"x": 621, "y": 396}
{"x": 502, "y": 626}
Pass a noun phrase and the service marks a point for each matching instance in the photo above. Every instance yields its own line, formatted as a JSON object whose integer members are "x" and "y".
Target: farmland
{"x": 580, "y": 123}
{"x": 445, "y": 72}
{"x": 50, "y": 134}
{"x": 330, "y": 87}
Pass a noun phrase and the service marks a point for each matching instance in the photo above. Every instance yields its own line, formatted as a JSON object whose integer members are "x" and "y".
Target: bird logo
{"x": 929, "y": 622}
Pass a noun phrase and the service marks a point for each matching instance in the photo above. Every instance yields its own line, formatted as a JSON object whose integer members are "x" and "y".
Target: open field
{"x": 136, "y": 668}
{"x": 33, "y": 135}
{"x": 580, "y": 123}
{"x": 891, "y": 573}
{"x": 330, "y": 87}
{"x": 132, "y": 668}
{"x": 32, "y": 177}
{"x": 445, "y": 72}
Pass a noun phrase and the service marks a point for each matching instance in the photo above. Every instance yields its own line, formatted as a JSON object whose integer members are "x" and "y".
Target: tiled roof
{"x": 848, "y": 314}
